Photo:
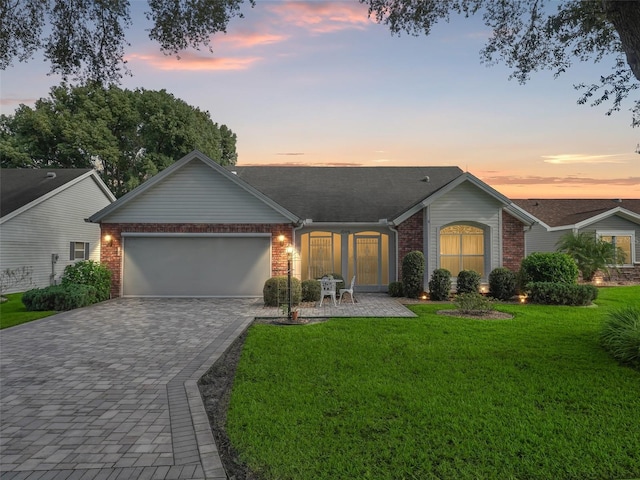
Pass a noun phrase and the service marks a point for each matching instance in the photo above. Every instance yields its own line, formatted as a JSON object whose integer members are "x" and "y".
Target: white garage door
{"x": 195, "y": 266}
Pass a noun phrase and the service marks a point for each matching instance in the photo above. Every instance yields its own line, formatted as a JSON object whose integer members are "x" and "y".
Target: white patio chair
{"x": 327, "y": 288}
{"x": 348, "y": 290}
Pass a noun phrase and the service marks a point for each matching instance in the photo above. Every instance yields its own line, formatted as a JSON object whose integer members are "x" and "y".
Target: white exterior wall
{"x": 195, "y": 194}
{"x": 469, "y": 204}
{"x": 30, "y": 238}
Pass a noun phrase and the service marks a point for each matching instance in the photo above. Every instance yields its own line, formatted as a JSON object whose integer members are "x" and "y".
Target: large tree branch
{"x": 625, "y": 17}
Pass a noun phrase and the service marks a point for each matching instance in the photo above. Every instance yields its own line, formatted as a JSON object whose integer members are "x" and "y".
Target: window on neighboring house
{"x": 462, "y": 248}
{"x": 623, "y": 240}
{"x": 79, "y": 251}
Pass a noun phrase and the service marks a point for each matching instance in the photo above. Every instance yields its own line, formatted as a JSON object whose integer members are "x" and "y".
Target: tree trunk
{"x": 625, "y": 17}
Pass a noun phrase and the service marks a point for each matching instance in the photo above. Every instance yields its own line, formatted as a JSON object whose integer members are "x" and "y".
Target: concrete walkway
{"x": 110, "y": 391}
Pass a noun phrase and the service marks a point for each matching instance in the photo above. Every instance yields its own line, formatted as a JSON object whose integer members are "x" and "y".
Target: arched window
{"x": 462, "y": 248}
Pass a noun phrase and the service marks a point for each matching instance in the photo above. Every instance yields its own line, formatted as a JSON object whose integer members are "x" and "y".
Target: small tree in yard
{"x": 590, "y": 253}
{"x": 413, "y": 274}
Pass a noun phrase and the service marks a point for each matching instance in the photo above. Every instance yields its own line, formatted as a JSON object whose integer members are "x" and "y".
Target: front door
{"x": 368, "y": 254}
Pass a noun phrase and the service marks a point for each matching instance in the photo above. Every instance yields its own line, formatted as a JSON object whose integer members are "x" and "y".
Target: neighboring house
{"x": 198, "y": 229}
{"x": 615, "y": 221}
{"x": 42, "y": 220}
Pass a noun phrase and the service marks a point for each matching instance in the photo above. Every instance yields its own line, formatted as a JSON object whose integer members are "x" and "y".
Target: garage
{"x": 195, "y": 265}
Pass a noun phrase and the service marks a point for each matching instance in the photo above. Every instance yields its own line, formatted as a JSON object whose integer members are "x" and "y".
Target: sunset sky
{"x": 318, "y": 83}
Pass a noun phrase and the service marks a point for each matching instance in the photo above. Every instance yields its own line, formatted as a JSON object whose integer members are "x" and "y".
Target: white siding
{"x": 195, "y": 193}
{"x": 466, "y": 203}
{"x": 30, "y": 238}
{"x": 538, "y": 239}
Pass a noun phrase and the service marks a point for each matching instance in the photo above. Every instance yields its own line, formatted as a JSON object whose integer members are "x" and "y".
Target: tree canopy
{"x": 85, "y": 39}
{"x": 128, "y": 136}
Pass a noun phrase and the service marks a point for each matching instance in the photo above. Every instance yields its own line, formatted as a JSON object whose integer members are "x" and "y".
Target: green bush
{"x": 620, "y": 335}
{"x": 473, "y": 303}
{"x": 395, "y": 289}
{"x": 554, "y": 293}
{"x": 503, "y": 284}
{"x": 311, "y": 291}
{"x": 413, "y": 274}
{"x": 59, "y": 297}
{"x": 88, "y": 272}
{"x": 440, "y": 284}
{"x": 468, "y": 281}
{"x": 275, "y": 291}
{"x": 590, "y": 253}
{"x": 549, "y": 267}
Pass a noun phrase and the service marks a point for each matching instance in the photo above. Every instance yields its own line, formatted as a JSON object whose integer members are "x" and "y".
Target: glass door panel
{"x": 367, "y": 260}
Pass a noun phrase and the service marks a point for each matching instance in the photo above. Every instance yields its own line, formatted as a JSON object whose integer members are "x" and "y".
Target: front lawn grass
{"x": 438, "y": 397}
{"x": 13, "y": 312}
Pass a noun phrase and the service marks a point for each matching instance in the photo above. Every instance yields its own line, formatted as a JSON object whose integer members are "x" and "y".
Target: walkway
{"x": 109, "y": 392}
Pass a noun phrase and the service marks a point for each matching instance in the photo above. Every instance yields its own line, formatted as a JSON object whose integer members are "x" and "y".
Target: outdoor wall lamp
{"x": 108, "y": 239}
{"x": 281, "y": 240}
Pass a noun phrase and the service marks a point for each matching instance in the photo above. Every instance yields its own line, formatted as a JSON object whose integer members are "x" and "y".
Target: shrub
{"x": 468, "y": 281}
{"x": 88, "y": 272}
{"x": 620, "y": 335}
{"x": 440, "y": 284}
{"x": 473, "y": 303}
{"x": 311, "y": 291}
{"x": 413, "y": 274}
{"x": 59, "y": 297}
{"x": 395, "y": 289}
{"x": 503, "y": 284}
{"x": 550, "y": 293}
{"x": 275, "y": 292}
{"x": 548, "y": 267}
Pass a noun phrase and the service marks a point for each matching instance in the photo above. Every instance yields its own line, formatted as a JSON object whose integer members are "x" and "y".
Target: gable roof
{"x": 190, "y": 157}
{"x": 347, "y": 194}
{"x": 558, "y": 213}
{"x": 23, "y": 188}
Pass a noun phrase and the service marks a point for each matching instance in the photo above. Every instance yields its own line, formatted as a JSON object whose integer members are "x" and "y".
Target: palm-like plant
{"x": 590, "y": 253}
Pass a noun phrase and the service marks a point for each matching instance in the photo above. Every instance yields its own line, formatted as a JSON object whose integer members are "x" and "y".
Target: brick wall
{"x": 410, "y": 237}
{"x": 512, "y": 242}
{"x": 111, "y": 252}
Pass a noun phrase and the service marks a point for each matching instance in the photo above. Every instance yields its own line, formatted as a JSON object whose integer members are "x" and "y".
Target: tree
{"x": 128, "y": 136}
{"x": 86, "y": 38}
{"x": 590, "y": 253}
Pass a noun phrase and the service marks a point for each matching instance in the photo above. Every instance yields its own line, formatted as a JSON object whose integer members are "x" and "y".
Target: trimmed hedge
{"x": 275, "y": 292}
{"x": 413, "y": 274}
{"x": 503, "y": 284}
{"x": 555, "y": 293}
{"x": 60, "y": 297}
{"x": 473, "y": 303}
{"x": 440, "y": 284}
{"x": 395, "y": 289}
{"x": 311, "y": 291}
{"x": 549, "y": 267}
{"x": 468, "y": 282}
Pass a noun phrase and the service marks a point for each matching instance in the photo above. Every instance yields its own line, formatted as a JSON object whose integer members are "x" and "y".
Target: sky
{"x": 317, "y": 83}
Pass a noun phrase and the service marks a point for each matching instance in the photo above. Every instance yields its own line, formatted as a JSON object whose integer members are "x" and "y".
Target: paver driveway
{"x": 109, "y": 391}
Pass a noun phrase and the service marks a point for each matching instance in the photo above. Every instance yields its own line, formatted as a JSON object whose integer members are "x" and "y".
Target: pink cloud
{"x": 557, "y": 181}
{"x": 194, "y": 62}
{"x": 17, "y": 101}
{"x": 322, "y": 17}
{"x": 250, "y": 39}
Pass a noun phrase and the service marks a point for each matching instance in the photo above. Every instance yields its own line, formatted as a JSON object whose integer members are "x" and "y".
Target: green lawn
{"x": 439, "y": 398}
{"x": 13, "y": 312}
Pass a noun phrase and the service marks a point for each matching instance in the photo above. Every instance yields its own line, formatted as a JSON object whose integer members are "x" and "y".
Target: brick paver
{"x": 110, "y": 392}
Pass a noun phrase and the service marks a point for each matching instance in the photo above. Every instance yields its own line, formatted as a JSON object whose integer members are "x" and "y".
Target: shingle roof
{"x": 21, "y": 186}
{"x": 347, "y": 194}
{"x": 561, "y": 212}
